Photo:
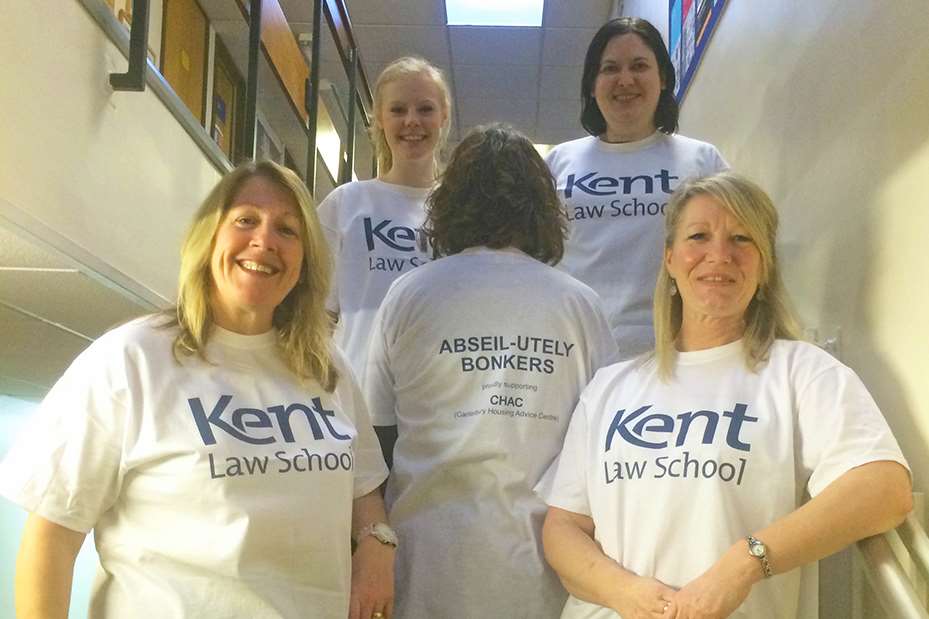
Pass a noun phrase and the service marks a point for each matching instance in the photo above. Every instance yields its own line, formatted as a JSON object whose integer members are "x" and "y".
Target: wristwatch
{"x": 757, "y": 549}
{"x": 380, "y": 531}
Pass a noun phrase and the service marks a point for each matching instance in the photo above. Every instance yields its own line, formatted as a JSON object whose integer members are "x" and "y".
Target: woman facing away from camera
{"x": 374, "y": 226}
{"x": 615, "y": 183}
{"x": 221, "y": 453}
{"x": 476, "y": 360}
{"x": 683, "y": 489}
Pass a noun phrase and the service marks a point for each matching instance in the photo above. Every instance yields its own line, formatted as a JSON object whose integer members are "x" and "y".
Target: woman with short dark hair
{"x": 476, "y": 360}
{"x": 615, "y": 183}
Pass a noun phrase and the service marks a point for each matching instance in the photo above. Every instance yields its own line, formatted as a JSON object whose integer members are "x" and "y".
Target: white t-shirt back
{"x": 479, "y": 358}
{"x": 615, "y": 196}
{"x": 220, "y": 489}
{"x": 674, "y": 473}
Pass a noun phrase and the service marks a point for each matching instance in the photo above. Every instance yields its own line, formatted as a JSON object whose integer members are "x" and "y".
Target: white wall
{"x": 113, "y": 172}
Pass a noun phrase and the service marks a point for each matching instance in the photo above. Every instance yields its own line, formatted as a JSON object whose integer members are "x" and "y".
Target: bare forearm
{"x": 585, "y": 571}
{"x": 368, "y": 509}
{"x": 45, "y": 568}
{"x": 865, "y": 501}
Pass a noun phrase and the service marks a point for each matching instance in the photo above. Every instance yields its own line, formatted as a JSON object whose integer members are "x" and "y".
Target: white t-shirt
{"x": 674, "y": 473}
{"x": 479, "y": 358}
{"x": 374, "y": 230}
{"x": 614, "y": 196}
{"x": 221, "y": 490}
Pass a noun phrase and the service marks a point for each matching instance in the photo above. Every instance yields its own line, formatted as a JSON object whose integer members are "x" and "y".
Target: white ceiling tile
{"x": 560, "y": 83}
{"x": 496, "y": 81}
{"x": 415, "y": 12}
{"x": 386, "y": 43}
{"x": 559, "y": 114}
{"x": 495, "y": 45}
{"x": 585, "y": 14}
{"x": 566, "y": 46}
{"x": 521, "y": 113}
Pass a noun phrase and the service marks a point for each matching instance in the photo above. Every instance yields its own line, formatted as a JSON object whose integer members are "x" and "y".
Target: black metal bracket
{"x": 311, "y": 100}
{"x": 134, "y": 78}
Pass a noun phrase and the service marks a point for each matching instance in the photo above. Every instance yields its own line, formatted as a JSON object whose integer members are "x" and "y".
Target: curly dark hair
{"x": 498, "y": 192}
{"x": 667, "y": 112}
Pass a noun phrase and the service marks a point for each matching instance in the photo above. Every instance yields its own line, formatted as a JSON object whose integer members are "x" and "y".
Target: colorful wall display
{"x": 691, "y": 26}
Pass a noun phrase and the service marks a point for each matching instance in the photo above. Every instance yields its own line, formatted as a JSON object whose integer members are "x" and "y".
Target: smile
{"x": 255, "y": 267}
{"x": 716, "y": 279}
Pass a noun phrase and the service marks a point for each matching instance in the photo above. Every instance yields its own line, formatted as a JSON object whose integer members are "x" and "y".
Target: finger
{"x": 354, "y": 608}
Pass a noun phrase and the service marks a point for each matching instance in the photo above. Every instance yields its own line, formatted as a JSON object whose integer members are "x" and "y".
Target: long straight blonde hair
{"x": 303, "y": 326}
{"x": 400, "y": 68}
{"x": 769, "y": 315}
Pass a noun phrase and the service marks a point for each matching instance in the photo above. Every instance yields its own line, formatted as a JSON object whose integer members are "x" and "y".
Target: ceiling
{"x": 51, "y": 308}
{"x": 527, "y": 77}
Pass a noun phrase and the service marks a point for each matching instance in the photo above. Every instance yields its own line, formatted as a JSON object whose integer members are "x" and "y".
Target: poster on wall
{"x": 691, "y": 26}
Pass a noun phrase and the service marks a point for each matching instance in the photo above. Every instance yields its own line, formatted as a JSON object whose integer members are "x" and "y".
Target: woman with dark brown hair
{"x": 476, "y": 360}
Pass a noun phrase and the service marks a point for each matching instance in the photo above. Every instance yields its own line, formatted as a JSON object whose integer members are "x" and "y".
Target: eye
{"x": 426, "y": 109}
{"x": 697, "y": 236}
{"x": 608, "y": 68}
{"x": 397, "y": 109}
{"x": 741, "y": 238}
{"x": 640, "y": 66}
{"x": 289, "y": 231}
{"x": 245, "y": 220}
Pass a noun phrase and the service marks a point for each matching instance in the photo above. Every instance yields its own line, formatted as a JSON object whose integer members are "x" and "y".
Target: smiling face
{"x": 257, "y": 256}
{"x": 412, "y": 115}
{"x": 627, "y": 88}
{"x": 716, "y": 266}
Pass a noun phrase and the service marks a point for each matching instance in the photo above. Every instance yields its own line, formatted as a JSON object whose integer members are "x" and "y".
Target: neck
{"x": 620, "y": 135}
{"x": 700, "y": 333}
{"x": 418, "y": 173}
{"x": 241, "y": 322}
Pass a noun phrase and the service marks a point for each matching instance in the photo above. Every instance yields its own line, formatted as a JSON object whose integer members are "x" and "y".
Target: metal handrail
{"x": 888, "y": 579}
{"x": 134, "y": 78}
{"x": 917, "y": 543}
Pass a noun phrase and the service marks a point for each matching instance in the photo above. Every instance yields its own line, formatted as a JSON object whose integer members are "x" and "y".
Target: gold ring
{"x": 377, "y": 615}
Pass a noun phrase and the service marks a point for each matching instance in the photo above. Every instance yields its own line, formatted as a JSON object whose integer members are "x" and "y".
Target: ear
{"x": 667, "y": 259}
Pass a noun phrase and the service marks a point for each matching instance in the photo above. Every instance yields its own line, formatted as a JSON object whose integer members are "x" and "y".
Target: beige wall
{"x": 113, "y": 172}
{"x": 826, "y": 104}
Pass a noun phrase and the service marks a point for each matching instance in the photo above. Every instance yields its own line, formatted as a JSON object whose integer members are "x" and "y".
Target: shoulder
{"x": 571, "y": 149}
{"x": 348, "y": 192}
{"x": 150, "y": 332}
{"x": 705, "y": 154}
{"x": 805, "y": 364}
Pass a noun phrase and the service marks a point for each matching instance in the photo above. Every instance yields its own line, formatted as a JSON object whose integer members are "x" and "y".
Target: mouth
{"x": 256, "y": 267}
{"x": 413, "y": 138}
{"x": 716, "y": 278}
{"x": 626, "y": 97}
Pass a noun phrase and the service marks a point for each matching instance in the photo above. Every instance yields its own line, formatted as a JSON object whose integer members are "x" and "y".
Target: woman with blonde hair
{"x": 706, "y": 480}
{"x": 220, "y": 452}
{"x": 374, "y": 226}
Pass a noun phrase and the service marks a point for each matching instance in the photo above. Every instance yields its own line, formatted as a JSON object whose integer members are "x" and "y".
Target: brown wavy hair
{"x": 498, "y": 192}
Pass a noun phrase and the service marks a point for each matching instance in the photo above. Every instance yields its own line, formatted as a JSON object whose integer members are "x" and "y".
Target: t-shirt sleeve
{"x": 840, "y": 428}
{"x": 714, "y": 161}
{"x": 329, "y": 221}
{"x": 370, "y": 469}
{"x": 564, "y": 484}
{"x": 66, "y": 465}
{"x": 378, "y": 380}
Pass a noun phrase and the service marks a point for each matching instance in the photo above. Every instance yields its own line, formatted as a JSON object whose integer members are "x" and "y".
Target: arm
{"x": 372, "y": 563}
{"x": 865, "y": 501}
{"x": 44, "y": 569}
{"x": 588, "y": 574}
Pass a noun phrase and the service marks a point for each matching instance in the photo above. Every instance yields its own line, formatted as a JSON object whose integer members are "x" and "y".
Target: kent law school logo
{"x": 394, "y": 238}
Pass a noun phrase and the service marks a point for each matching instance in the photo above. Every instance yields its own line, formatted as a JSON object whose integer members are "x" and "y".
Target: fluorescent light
{"x": 494, "y": 12}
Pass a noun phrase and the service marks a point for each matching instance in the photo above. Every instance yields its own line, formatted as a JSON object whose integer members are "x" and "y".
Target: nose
{"x": 720, "y": 250}
{"x": 263, "y": 238}
{"x": 624, "y": 77}
{"x": 412, "y": 117}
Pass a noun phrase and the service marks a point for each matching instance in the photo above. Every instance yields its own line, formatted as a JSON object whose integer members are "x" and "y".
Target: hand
{"x": 645, "y": 598}
{"x": 720, "y": 590}
{"x": 372, "y": 580}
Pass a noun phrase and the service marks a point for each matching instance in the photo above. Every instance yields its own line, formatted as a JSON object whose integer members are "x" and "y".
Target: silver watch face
{"x": 757, "y": 549}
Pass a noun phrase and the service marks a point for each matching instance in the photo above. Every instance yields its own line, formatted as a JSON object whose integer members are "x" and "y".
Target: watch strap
{"x": 753, "y": 543}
